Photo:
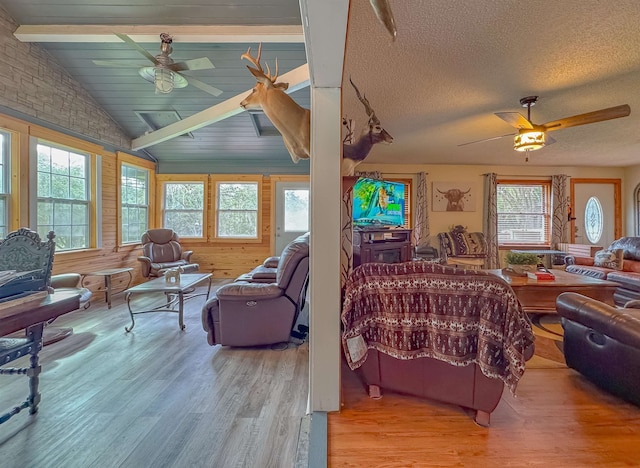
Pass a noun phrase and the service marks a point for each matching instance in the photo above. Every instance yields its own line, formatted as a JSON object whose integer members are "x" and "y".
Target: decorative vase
{"x": 521, "y": 269}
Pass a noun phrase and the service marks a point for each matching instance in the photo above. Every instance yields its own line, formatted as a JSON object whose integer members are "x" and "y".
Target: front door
{"x": 597, "y": 211}
{"x": 292, "y": 212}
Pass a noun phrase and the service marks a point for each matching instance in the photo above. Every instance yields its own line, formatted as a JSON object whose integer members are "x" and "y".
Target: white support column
{"x": 326, "y": 190}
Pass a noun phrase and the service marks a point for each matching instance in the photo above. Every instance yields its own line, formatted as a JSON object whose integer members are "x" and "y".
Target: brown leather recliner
{"x": 603, "y": 343}
{"x": 161, "y": 250}
{"x": 247, "y": 313}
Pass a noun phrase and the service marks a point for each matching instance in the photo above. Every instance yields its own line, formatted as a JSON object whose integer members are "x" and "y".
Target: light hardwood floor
{"x": 558, "y": 419}
{"x": 156, "y": 397}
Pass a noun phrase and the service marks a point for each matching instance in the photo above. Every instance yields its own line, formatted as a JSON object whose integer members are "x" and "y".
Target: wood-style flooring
{"x": 156, "y": 397}
{"x": 557, "y": 419}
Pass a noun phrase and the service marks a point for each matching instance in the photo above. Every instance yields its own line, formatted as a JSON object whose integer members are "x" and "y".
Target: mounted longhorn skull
{"x": 292, "y": 121}
{"x": 354, "y": 153}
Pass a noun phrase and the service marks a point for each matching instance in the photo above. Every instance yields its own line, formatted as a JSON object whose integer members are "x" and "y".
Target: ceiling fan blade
{"x": 487, "y": 139}
{"x": 135, "y": 45}
{"x": 202, "y": 63}
{"x": 108, "y": 63}
{"x": 549, "y": 141}
{"x": 590, "y": 117}
{"x": 203, "y": 86}
{"x": 515, "y": 119}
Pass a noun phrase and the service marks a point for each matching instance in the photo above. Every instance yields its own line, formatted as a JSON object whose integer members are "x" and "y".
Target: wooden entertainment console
{"x": 381, "y": 246}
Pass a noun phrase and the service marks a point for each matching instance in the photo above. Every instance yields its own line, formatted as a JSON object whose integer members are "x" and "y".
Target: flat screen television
{"x": 378, "y": 203}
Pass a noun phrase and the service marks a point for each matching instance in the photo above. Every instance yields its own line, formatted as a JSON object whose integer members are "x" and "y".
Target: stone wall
{"x": 32, "y": 83}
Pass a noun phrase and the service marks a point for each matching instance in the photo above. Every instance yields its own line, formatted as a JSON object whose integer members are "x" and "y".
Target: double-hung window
{"x": 5, "y": 191}
{"x": 64, "y": 195}
{"x": 237, "y": 213}
{"x": 524, "y": 212}
{"x": 183, "y": 207}
{"x": 135, "y": 202}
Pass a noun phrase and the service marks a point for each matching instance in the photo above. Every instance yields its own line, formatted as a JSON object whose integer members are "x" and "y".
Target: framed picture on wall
{"x": 454, "y": 196}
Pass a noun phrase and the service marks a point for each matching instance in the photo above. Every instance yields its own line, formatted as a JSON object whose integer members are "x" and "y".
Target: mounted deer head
{"x": 292, "y": 121}
{"x": 354, "y": 153}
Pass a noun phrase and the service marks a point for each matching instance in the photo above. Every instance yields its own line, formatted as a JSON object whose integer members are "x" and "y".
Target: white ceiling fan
{"x": 165, "y": 74}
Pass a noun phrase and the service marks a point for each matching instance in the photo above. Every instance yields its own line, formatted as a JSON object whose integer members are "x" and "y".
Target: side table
{"x": 107, "y": 274}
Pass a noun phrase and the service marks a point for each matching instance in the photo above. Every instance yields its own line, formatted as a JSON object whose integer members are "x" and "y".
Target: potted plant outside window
{"x": 521, "y": 263}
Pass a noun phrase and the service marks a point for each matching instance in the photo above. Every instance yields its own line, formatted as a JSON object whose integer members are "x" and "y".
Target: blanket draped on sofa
{"x": 420, "y": 309}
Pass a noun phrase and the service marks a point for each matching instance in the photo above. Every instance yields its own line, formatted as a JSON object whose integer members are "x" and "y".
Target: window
{"x": 524, "y": 212}
{"x": 296, "y": 210}
{"x": 63, "y": 193}
{"x": 237, "y": 209}
{"x": 5, "y": 157}
{"x": 135, "y": 202}
{"x": 184, "y": 208}
{"x": 593, "y": 220}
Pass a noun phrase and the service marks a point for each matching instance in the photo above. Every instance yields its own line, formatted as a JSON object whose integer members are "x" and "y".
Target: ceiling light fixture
{"x": 529, "y": 140}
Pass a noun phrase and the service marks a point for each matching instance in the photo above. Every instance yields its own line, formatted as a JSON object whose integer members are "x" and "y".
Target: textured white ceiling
{"x": 456, "y": 62}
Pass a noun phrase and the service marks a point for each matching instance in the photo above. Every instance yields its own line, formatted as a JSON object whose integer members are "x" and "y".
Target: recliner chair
{"x": 162, "y": 251}
{"x": 252, "y": 313}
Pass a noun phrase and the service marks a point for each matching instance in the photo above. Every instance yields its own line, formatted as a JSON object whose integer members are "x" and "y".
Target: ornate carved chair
{"x": 23, "y": 251}
{"x": 161, "y": 250}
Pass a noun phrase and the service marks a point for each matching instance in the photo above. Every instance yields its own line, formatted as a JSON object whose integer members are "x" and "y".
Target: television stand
{"x": 381, "y": 245}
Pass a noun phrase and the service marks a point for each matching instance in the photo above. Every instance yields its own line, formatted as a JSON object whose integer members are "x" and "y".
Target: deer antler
{"x": 256, "y": 63}
{"x": 363, "y": 99}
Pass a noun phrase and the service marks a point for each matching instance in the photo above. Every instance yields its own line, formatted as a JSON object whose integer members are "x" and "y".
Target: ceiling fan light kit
{"x": 529, "y": 140}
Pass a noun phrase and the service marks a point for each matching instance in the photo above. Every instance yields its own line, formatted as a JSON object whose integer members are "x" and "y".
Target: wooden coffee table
{"x": 540, "y": 296}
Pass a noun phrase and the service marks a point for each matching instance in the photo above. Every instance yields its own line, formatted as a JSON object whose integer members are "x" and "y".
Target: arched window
{"x": 593, "y": 220}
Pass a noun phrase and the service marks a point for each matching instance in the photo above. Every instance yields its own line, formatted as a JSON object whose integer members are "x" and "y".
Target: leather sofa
{"x": 628, "y": 278}
{"x": 245, "y": 313}
{"x": 603, "y": 343}
{"x": 433, "y": 331}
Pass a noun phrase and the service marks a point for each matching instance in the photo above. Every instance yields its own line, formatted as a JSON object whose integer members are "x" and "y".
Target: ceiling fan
{"x": 532, "y": 137}
{"x": 166, "y": 74}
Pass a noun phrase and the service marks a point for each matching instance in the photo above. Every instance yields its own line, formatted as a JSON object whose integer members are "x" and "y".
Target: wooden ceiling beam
{"x": 150, "y": 33}
{"x": 297, "y": 79}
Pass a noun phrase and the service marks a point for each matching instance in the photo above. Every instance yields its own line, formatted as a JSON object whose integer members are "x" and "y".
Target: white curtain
{"x": 490, "y": 221}
{"x": 421, "y": 231}
{"x": 560, "y": 210}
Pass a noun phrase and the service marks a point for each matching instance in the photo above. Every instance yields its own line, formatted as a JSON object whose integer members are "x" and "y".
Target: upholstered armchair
{"x": 72, "y": 282}
{"x": 247, "y": 313}
{"x": 161, "y": 250}
{"x": 461, "y": 248}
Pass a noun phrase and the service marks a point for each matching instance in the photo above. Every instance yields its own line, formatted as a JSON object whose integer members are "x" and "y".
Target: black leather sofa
{"x": 603, "y": 343}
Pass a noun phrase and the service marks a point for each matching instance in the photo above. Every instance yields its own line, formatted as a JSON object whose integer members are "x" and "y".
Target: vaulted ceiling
{"x": 454, "y": 63}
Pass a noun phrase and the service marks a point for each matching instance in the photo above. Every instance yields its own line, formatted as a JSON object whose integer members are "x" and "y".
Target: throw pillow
{"x": 609, "y": 259}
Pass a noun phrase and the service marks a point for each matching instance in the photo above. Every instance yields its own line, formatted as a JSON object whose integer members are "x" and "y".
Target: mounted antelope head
{"x": 292, "y": 121}
{"x": 355, "y": 152}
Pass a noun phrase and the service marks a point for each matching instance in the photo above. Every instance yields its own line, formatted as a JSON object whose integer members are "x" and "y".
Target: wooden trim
{"x": 58, "y": 138}
{"x": 617, "y": 202}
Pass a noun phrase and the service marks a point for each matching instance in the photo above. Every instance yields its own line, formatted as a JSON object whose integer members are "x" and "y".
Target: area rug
{"x": 548, "y": 332}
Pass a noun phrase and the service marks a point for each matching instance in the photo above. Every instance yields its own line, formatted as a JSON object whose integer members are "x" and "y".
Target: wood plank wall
{"x": 225, "y": 259}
